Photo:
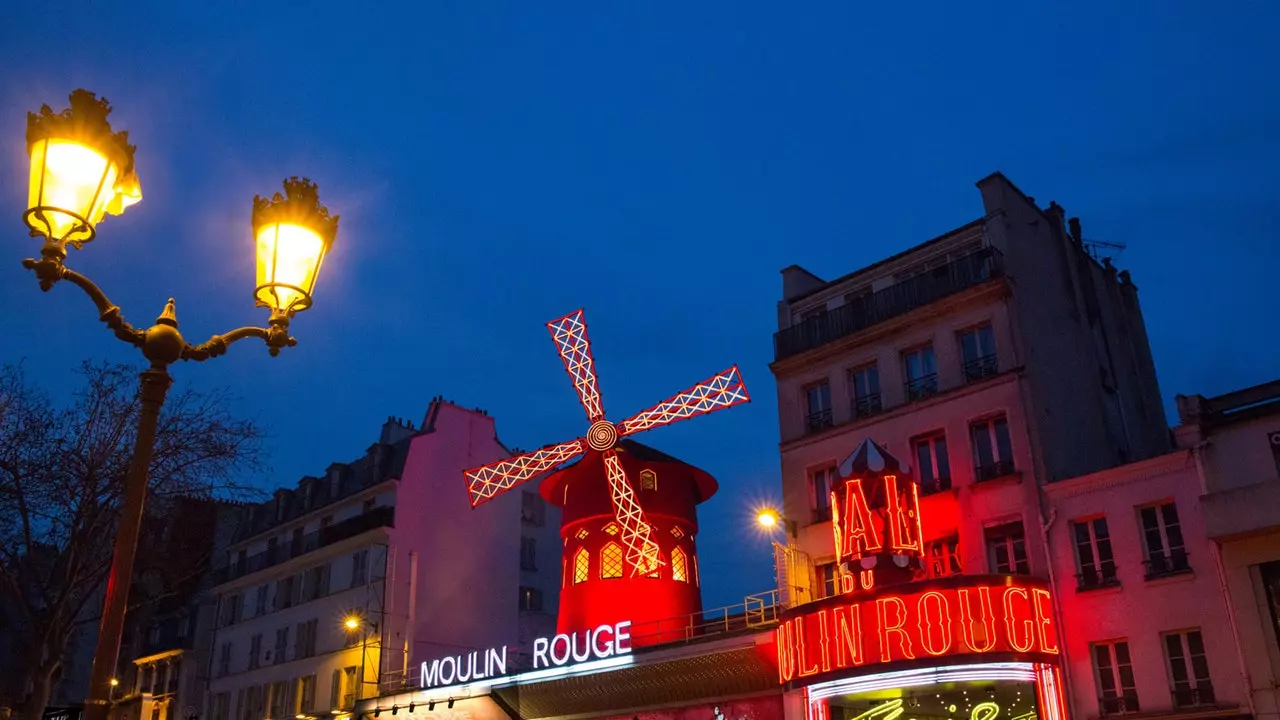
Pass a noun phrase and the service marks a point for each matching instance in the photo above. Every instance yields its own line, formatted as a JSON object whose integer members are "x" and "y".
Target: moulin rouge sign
{"x": 887, "y": 611}
{"x": 962, "y": 615}
{"x": 561, "y": 650}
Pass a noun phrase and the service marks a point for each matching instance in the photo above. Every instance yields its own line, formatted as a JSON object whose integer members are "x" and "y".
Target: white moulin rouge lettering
{"x": 558, "y": 651}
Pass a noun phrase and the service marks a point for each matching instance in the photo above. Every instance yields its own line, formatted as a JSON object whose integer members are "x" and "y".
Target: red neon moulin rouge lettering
{"x": 964, "y": 615}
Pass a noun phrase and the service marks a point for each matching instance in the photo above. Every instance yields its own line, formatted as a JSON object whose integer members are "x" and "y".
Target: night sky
{"x": 499, "y": 164}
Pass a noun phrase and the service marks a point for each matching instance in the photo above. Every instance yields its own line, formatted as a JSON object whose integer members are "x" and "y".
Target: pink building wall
{"x": 1139, "y": 610}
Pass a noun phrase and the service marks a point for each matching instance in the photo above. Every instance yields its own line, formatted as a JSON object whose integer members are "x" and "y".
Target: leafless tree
{"x": 62, "y": 477}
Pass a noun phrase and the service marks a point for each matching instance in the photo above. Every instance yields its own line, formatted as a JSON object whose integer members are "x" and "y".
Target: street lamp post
{"x": 80, "y": 171}
{"x": 353, "y": 623}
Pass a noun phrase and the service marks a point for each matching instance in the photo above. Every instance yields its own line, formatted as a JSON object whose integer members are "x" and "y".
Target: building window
{"x": 359, "y": 568}
{"x": 978, "y": 353}
{"x": 611, "y": 561}
{"x": 932, "y": 464}
{"x": 818, "y": 407}
{"x": 295, "y": 543}
{"x": 676, "y": 532}
{"x": 224, "y": 659}
{"x": 284, "y": 592}
{"x": 306, "y": 694}
{"x": 304, "y": 643}
{"x": 531, "y": 599}
{"x": 349, "y": 681}
{"x": 282, "y": 645}
{"x": 279, "y": 699}
{"x": 679, "y": 566}
{"x": 255, "y": 651}
{"x": 828, "y": 579}
{"x": 581, "y": 534}
{"x": 581, "y": 563}
{"x": 1269, "y": 574}
{"x": 992, "y": 453}
{"x": 1007, "y": 549}
{"x": 1113, "y": 674}
{"x": 611, "y": 529}
{"x": 648, "y": 480}
{"x": 1096, "y": 564}
{"x": 864, "y": 390}
{"x": 532, "y": 508}
{"x": 1188, "y": 669}
{"x": 1162, "y": 538}
{"x": 1274, "y": 440}
{"x": 260, "y": 601}
{"x": 820, "y": 482}
{"x": 528, "y": 554}
{"x": 942, "y": 557}
{"x": 921, "y": 372}
{"x": 315, "y": 583}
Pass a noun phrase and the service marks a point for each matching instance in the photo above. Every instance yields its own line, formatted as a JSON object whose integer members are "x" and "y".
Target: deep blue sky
{"x": 498, "y": 164}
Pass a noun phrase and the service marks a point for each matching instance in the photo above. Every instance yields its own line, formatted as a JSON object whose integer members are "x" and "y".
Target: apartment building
{"x": 164, "y": 654}
{"x": 340, "y": 585}
{"x": 1236, "y": 441}
{"x": 1143, "y": 619}
{"x": 995, "y": 357}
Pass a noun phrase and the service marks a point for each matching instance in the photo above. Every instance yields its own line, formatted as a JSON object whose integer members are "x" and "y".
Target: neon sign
{"x": 961, "y": 615}
{"x": 559, "y": 651}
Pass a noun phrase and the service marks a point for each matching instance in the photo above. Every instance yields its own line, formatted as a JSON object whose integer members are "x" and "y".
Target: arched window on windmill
{"x": 581, "y": 566}
{"x": 611, "y": 561}
{"x": 679, "y": 566}
{"x": 648, "y": 480}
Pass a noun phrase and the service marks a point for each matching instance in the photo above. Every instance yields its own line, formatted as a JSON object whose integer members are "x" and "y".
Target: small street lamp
{"x": 81, "y": 171}
{"x": 354, "y": 623}
{"x": 786, "y": 558}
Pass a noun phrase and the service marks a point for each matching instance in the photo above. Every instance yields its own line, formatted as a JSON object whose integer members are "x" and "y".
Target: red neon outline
{"x": 944, "y": 615}
{"x": 786, "y": 655}
{"x": 824, "y": 641}
{"x": 903, "y": 522}
{"x": 835, "y": 527}
{"x": 1010, "y": 620}
{"x": 899, "y": 628}
{"x": 860, "y": 539}
{"x": 802, "y": 656}
{"x": 1044, "y": 620}
{"x": 967, "y": 625}
{"x": 849, "y": 631}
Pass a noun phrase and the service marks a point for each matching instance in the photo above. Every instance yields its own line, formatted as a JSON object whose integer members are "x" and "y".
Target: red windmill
{"x": 720, "y": 391}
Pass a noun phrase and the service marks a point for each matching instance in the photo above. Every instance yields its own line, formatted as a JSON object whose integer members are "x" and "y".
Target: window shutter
{"x": 335, "y": 690}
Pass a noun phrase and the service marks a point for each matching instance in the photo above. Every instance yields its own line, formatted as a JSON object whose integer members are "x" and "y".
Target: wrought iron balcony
{"x": 897, "y": 299}
{"x": 993, "y": 471}
{"x": 922, "y": 387}
{"x": 867, "y": 405}
{"x": 1198, "y": 696}
{"x": 1119, "y": 704}
{"x": 376, "y": 518}
{"x": 981, "y": 368}
{"x": 1093, "y": 578}
{"x": 818, "y": 421}
{"x": 1163, "y": 565}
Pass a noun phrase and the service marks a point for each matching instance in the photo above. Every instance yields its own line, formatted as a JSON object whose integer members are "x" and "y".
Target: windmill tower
{"x": 610, "y": 470}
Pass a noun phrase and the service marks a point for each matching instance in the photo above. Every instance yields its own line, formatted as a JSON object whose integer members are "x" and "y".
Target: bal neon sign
{"x": 558, "y": 651}
{"x": 962, "y": 615}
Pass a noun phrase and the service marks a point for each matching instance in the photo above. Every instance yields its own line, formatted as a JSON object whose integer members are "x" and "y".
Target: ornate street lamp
{"x": 80, "y": 172}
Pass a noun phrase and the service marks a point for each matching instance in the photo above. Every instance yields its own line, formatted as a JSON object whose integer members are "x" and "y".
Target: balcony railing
{"x": 1189, "y": 697}
{"x": 337, "y": 532}
{"x": 922, "y": 387}
{"x": 818, "y": 421}
{"x": 1093, "y": 578}
{"x": 929, "y": 486}
{"x": 1163, "y": 565}
{"x": 867, "y": 405}
{"x": 897, "y": 299}
{"x": 981, "y": 368}
{"x": 993, "y": 470}
{"x": 1118, "y": 704}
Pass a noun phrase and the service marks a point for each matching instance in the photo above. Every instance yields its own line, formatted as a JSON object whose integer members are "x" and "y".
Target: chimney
{"x": 1076, "y": 234}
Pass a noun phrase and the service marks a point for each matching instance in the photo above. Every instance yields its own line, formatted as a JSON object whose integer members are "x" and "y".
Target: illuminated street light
{"x": 767, "y": 518}
{"x": 352, "y": 623}
{"x": 81, "y": 170}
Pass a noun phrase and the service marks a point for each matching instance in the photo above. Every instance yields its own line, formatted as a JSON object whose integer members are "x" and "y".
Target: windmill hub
{"x": 602, "y": 436}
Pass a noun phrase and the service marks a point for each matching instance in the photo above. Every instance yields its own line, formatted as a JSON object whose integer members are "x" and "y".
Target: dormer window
{"x": 648, "y": 480}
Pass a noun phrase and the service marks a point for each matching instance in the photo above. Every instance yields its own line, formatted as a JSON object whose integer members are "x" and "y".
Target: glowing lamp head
{"x": 768, "y": 518}
{"x": 115, "y": 682}
{"x": 351, "y": 623}
{"x": 80, "y": 170}
{"x": 293, "y": 233}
